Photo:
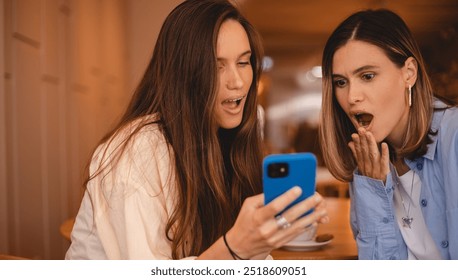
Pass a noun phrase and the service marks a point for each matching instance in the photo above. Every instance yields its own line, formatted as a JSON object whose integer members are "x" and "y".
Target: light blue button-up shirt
{"x": 372, "y": 212}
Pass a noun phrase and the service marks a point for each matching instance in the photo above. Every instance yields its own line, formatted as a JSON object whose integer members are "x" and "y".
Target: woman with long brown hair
{"x": 180, "y": 176}
{"x": 383, "y": 131}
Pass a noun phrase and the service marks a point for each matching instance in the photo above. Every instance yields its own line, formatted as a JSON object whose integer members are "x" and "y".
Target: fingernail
{"x": 296, "y": 190}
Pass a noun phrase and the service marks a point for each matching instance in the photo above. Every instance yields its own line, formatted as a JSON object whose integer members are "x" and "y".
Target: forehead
{"x": 355, "y": 54}
{"x": 232, "y": 39}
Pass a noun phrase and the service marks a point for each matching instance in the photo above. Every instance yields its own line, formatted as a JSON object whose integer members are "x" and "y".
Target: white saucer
{"x": 304, "y": 245}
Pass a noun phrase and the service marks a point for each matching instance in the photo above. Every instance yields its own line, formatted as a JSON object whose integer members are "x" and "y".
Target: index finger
{"x": 385, "y": 161}
{"x": 278, "y": 204}
{"x": 374, "y": 153}
{"x": 356, "y": 146}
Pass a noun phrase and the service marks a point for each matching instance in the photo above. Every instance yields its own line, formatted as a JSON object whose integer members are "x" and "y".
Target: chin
{"x": 230, "y": 125}
{"x": 378, "y": 138}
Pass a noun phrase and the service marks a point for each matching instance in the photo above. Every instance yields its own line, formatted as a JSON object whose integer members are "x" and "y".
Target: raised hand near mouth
{"x": 370, "y": 161}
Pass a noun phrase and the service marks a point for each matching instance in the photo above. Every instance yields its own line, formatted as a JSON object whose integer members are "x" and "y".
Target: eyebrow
{"x": 241, "y": 55}
{"x": 358, "y": 70}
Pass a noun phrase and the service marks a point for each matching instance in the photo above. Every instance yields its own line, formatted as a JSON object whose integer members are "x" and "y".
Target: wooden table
{"x": 342, "y": 247}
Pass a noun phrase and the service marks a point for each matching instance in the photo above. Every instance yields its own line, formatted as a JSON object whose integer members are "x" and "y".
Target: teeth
{"x": 234, "y": 100}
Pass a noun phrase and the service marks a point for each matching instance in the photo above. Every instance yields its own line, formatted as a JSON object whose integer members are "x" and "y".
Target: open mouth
{"x": 233, "y": 103}
{"x": 364, "y": 119}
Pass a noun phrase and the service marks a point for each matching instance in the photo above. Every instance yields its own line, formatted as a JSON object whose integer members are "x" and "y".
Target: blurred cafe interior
{"x": 69, "y": 68}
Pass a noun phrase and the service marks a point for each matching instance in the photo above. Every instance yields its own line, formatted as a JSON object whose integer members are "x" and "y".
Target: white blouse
{"x": 125, "y": 209}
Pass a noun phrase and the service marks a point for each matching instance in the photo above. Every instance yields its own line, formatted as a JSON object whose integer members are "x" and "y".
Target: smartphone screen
{"x": 281, "y": 172}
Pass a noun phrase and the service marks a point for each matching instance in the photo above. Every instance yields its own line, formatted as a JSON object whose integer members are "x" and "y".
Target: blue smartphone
{"x": 281, "y": 172}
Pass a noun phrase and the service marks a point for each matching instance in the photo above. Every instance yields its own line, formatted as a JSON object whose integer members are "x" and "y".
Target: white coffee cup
{"x": 308, "y": 235}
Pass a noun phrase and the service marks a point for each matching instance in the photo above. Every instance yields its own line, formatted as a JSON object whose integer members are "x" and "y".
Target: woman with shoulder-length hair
{"x": 180, "y": 175}
{"x": 383, "y": 131}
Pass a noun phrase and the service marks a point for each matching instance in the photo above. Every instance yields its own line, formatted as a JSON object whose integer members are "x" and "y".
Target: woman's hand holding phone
{"x": 257, "y": 231}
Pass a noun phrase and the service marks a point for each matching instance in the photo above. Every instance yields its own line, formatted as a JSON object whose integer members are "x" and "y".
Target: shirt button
{"x": 392, "y": 257}
{"x": 444, "y": 244}
{"x": 386, "y": 220}
{"x": 419, "y": 165}
{"x": 424, "y": 202}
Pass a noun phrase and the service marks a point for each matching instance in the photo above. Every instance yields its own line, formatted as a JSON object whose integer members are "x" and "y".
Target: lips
{"x": 233, "y": 103}
{"x": 363, "y": 119}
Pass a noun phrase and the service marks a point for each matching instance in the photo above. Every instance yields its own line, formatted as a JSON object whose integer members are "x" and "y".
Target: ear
{"x": 410, "y": 70}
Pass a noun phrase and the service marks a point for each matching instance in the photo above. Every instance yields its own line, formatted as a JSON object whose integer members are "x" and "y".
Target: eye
{"x": 244, "y": 63}
{"x": 367, "y": 76}
{"x": 340, "y": 83}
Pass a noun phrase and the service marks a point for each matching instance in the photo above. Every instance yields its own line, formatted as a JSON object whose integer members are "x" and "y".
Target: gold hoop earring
{"x": 410, "y": 96}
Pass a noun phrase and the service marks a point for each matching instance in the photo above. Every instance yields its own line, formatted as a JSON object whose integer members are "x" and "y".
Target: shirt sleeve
{"x": 449, "y": 168}
{"x": 139, "y": 198}
{"x": 373, "y": 220}
{"x": 130, "y": 200}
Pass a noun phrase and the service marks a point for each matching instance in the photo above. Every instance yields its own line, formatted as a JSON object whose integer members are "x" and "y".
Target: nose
{"x": 355, "y": 94}
{"x": 234, "y": 79}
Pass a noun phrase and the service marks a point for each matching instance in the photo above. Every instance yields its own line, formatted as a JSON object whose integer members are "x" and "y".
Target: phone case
{"x": 302, "y": 173}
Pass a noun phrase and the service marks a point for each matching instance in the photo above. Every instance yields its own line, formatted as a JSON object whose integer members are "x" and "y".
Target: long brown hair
{"x": 389, "y": 32}
{"x": 216, "y": 169}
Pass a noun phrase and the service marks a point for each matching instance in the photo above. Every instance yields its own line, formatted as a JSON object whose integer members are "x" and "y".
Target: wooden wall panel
{"x": 52, "y": 47}
{"x": 63, "y": 67}
{"x": 27, "y": 20}
{"x": 54, "y": 211}
{"x": 3, "y": 162}
{"x": 85, "y": 47}
{"x": 145, "y": 20}
{"x": 71, "y": 134}
{"x": 113, "y": 97}
{"x": 83, "y": 76}
{"x": 27, "y": 153}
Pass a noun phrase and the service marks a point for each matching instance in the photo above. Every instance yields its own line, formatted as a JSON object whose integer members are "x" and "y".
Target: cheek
{"x": 392, "y": 97}
{"x": 393, "y": 86}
